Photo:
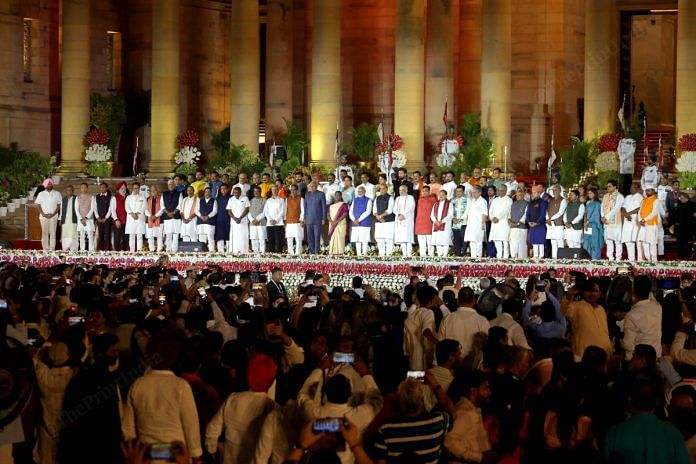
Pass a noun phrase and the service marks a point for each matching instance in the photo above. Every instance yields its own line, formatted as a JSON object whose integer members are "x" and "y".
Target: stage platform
{"x": 379, "y": 272}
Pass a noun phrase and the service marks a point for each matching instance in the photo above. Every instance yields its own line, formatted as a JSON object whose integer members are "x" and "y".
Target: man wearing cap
{"x": 536, "y": 221}
{"x": 68, "y": 220}
{"x": 242, "y": 414}
{"x": 171, "y": 201}
{"x": 104, "y": 213}
{"x": 650, "y": 177}
{"x": 121, "y": 216}
{"x": 85, "y": 209}
{"x": 650, "y": 210}
{"x": 136, "y": 206}
{"x": 49, "y": 201}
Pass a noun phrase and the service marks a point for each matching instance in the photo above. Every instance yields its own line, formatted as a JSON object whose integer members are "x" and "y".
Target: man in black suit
{"x": 402, "y": 179}
{"x": 276, "y": 288}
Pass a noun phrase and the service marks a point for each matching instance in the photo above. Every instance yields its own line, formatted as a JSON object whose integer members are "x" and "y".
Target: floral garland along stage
{"x": 379, "y": 272}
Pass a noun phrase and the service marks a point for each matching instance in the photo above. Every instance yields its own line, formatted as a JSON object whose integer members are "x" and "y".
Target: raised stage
{"x": 379, "y": 272}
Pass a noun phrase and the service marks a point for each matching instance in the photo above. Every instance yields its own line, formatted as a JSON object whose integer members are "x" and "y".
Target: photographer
{"x": 588, "y": 319}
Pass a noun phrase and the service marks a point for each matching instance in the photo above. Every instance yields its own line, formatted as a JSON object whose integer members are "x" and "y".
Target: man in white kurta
{"x": 368, "y": 186}
{"x": 206, "y": 216}
{"x": 48, "y": 201}
{"x": 189, "y": 206}
{"x": 554, "y": 219}
{"x": 612, "y": 220}
{"x": 573, "y": 220}
{"x": 172, "y": 204}
{"x": 238, "y": 210}
{"x": 136, "y": 205}
{"x": 359, "y": 214}
{"x": 518, "y": 226}
{"x": 85, "y": 206}
{"x": 476, "y": 217}
{"x": 499, "y": 213}
{"x": 404, "y": 210}
{"x": 68, "y": 220}
{"x": 153, "y": 219}
{"x": 384, "y": 221}
{"x": 630, "y": 227}
{"x": 450, "y": 185}
{"x": 663, "y": 191}
{"x": 441, "y": 216}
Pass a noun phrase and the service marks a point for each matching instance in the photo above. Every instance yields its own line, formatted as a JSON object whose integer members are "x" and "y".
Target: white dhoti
{"x": 68, "y": 236}
{"x": 361, "y": 237}
{"x": 239, "y": 237}
{"x": 629, "y": 236}
{"x": 518, "y": 243}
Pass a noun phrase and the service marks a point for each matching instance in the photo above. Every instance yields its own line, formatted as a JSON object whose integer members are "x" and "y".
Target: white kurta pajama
{"x": 188, "y": 232}
{"x": 68, "y": 228}
{"x": 239, "y": 232}
{"x": 611, "y": 211}
{"x": 630, "y": 227}
{"x": 500, "y": 231}
{"x": 572, "y": 236}
{"x": 135, "y": 228}
{"x": 360, "y": 235}
{"x": 85, "y": 231}
{"x": 442, "y": 211}
{"x": 153, "y": 232}
{"x": 403, "y": 228}
{"x": 475, "y": 232}
{"x": 647, "y": 235}
{"x": 555, "y": 233}
{"x": 206, "y": 232}
{"x": 384, "y": 231}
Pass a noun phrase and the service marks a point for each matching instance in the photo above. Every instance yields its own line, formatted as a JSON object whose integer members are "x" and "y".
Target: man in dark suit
{"x": 402, "y": 179}
{"x": 276, "y": 288}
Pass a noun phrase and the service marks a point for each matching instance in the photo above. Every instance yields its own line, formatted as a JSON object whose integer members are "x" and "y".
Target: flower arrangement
{"x": 608, "y": 142}
{"x": 686, "y": 165}
{"x": 687, "y": 142}
{"x": 457, "y": 137}
{"x": 391, "y": 142}
{"x": 188, "y": 155}
{"x": 98, "y": 153}
{"x": 607, "y": 161}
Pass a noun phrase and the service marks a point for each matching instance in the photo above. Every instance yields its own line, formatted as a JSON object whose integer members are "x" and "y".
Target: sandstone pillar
{"x": 326, "y": 80}
{"x": 75, "y": 84}
{"x": 601, "y": 61}
{"x": 496, "y": 75}
{"x": 686, "y": 68}
{"x": 279, "y": 65}
{"x": 245, "y": 98}
{"x": 409, "y": 79}
{"x": 439, "y": 73}
{"x": 165, "y": 86}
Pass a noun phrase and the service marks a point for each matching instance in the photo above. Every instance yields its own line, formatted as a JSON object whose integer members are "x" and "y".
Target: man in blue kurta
{"x": 222, "y": 224}
{"x": 315, "y": 217}
{"x": 361, "y": 221}
{"x": 536, "y": 221}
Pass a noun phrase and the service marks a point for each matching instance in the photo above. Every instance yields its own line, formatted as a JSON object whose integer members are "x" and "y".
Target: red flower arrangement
{"x": 687, "y": 142}
{"x": 458, "y": 138}
{"x": 608, "y": 142}
{"x": 97, "y": 137}
{"x": 391, "y": 142}
{"x": 189, "y": 138}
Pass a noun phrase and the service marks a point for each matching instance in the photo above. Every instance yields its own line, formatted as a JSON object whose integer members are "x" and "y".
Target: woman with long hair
{"x": 594, "y": 229}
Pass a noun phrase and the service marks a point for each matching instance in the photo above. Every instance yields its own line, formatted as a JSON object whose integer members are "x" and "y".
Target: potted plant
{"x": 363, "y": 143}
{"x": 4, "y": 197}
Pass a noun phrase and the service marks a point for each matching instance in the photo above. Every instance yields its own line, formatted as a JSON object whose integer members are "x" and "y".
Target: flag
{"x": 135, "y": 157}
{"x": 645, "y": 141}
{"x": 620, "y": 114}
{"x": 380, "y": 132}
{"x": 552, "y": 158}
{"x": 336, "y": 149}
{"x": 273, "y": 152}
{"x": 660, "y": 152}
{"x": 444, "y": 116}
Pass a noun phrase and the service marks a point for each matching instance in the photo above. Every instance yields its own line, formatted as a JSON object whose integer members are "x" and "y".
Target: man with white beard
{"x": 404, "y": 211}
{"x": 136, "y": 206}
{"x": 518, "y": 226}
{"x": 171, "y": 217}
{"x": 383, "y": 209}
{"x": 629, "y": 211}
{"x": 554, "y": 230}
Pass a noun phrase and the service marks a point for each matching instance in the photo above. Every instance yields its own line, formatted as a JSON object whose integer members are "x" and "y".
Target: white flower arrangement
{"x": 687, "y": 162}
{"x": 607, "y": 161}
{"x": 399, "y": 159}
{"x": 98, "y": 153}
{"x": 187, "y": 155}
{"x": 445, "y": 159}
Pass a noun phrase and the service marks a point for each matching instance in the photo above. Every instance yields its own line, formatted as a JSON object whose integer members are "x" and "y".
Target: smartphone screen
{"x": 201, "y": 292}
{"x": 3, "y": 304}
{"x": 75, "y": 320}
{"x": 161, "y": 452}
{"x": 174, "y": 278}
{"x": 340, "y": 357}
{"x": 327, "y": 425}
{"x": 162, "y": 300}
{"x": 418, "y": 375}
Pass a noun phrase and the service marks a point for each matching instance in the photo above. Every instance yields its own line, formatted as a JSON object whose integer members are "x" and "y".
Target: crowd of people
{"x": 135, "y": 365}
{"x": 494, "y": 217}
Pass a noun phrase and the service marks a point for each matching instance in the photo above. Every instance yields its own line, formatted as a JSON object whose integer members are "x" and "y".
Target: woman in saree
{"x": 338, "y": 225}
{"x": 593, "y": 236}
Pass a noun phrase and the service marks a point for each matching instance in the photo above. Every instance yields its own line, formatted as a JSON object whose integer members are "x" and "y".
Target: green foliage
{"x": 221, "y": 142}
{"x": 238, "y": 159}
{"x": 108, "y": 112}
{"x": 477, "y": 150}
{"x": 20, "y": 170}
{"x": 634, "y": 127}
{"x": 99, "y": 169}
{"x": 294, "y": 140}
{"x": 186, "y": 169}
{"x": 687, "y": 180}
{"x": 576, "y": 160}
{"x": 363, "y": 142}
{"x": 606, "y": 176}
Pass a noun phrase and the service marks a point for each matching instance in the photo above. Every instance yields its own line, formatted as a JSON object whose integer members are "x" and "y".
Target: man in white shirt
{"x": 419, "y": 329}
{"x": 274, "y": 212}
{"x": 238, "y": 210}
{"x": 367, "y": 185}
{"x": 48, "y": 201}
{"x": 499, "y": 214}
{"x": 68, "y": 220}
{"x": 630, "y": 227}
{"x": 573, "y": 220}
{"x": 464, "y": 323}
{"x": 449, "y": 186}
{"x": 650, "y": 177}
{"x": 554, "y": 223}
{"x": 612, "y": 220}
{"x": 476, "y": 217}
{"x": 331, "y": 188}
{"x": 243, "y": 184}
{"x": 85, "y": 208}
{"x": 135, "y": 222}
{"x": 512, "y": 309}
{"x": 643, "y": 323}
{"x": 404, "y": 212}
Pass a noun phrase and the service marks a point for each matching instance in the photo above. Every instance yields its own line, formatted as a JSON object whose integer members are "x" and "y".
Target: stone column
{"x": 246, "y": 87}
{"x": 601, "y": 61}
{"x": 439, "y": 70}
{"x": 74, "y": 116}
{"x": 165, "y": 86}
{"x": 409, "y": 79}
{"x": 496, "y": 76}
{"x": 686, "y": 68}
{"x": 279, "y": 65}
{"x": 326, "y": 79}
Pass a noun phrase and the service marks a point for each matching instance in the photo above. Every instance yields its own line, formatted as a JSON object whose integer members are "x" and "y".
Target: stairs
{"x": 653, "y": 142}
